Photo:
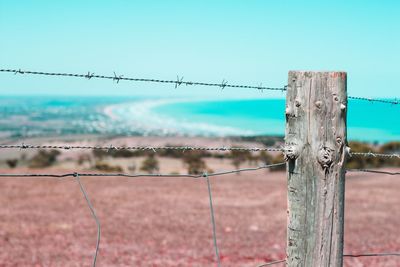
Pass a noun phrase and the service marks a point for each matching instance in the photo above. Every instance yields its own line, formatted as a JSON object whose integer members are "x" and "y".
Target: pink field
{"x": 166, "y": 222}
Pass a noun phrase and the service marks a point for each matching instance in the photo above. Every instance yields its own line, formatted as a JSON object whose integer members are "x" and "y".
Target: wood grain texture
{"x": 316, "y": 108}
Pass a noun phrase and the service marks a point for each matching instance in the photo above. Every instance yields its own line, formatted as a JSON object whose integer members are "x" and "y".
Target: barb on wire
{"x": 120, "y": 77}
{"x": 111, "y": 147}
{"x": 271, "y": 263}
{"x": 19, "y": 71}
{"x": 89, "y": 75}
{"x": 373, "y": 171}
{"x": 214, "y": 231}
{"x": 178, "y": 82}
{"x": 35, "y": 175}
{"x": 116, "y": 78}
{"x": 393, "y": 102}
{"x": 82, "y": 188}
{"x": 223, "y": 84}
{"x": 373, "y": 254}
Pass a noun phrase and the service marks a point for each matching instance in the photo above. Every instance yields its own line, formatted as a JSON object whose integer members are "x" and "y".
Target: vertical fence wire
{"x": 82, "y": 188}
{"x": 205, "y": 175}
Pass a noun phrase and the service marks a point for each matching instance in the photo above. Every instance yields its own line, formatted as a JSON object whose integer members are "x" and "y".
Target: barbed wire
{"x": 393, "y": 102}
{"x": 181, "y": 148}
{"x": 117, "y": 78}
{"x": 373, "y": 171}
{"x": 178, "y": 82}
{"x": 144, "y": 148}
{"x": 93, "y": 212}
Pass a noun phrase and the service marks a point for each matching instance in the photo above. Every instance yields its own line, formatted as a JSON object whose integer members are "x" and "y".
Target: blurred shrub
{"x": 391, "y": 147}
{"x": 171, "y": 153}
{"x": 194, "y": 162}
{"x": 123, "y": 153}
{"x": 44, "y": 158}
{"x": 278, "y": 159}
{"x": 265, "y": 157}
{"x": 150, "y": 164}
{"x": 99, "y": 153}
{"x": 219, "y": 155}
{"x": 252, "y": 158}
{"x": 118, "y": 153}
{"x": 12, "y": 163}
{"x": 238, "y": 157}
{"x": 103, "y": 166}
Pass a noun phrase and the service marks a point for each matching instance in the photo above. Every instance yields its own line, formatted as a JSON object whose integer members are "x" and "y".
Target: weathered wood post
{"x": 316, "y": 106}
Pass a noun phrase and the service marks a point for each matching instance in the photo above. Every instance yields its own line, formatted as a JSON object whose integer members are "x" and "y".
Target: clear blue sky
{"x": 244, "y": 42}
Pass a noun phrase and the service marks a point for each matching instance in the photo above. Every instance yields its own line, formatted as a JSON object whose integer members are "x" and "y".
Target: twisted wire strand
{"x": 82, "y": 188}
{"x": 271, "y": 263}
{"x": 383, "y": 254}
{"x": 376, "y": 155}
{"x": 393, "y": 102}
{"x": 144, "y": 148}
{"x": 373, "y": 171}
{"x": 117, "y": 78}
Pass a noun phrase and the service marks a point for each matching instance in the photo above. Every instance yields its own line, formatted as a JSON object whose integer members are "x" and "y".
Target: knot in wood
{"x": 289, "y": 112}
{"x": 291, "y": 152}
{"x": 325, "y": 157}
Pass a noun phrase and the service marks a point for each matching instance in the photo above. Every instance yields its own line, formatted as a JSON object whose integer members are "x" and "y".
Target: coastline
{"x": 178, "y": 116}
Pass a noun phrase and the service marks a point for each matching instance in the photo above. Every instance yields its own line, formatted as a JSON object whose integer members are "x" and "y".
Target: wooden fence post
{"x": 316, "y": 107}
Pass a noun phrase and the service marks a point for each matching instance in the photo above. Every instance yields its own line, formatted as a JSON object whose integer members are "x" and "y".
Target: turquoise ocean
{"x": 41, "y": 116}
